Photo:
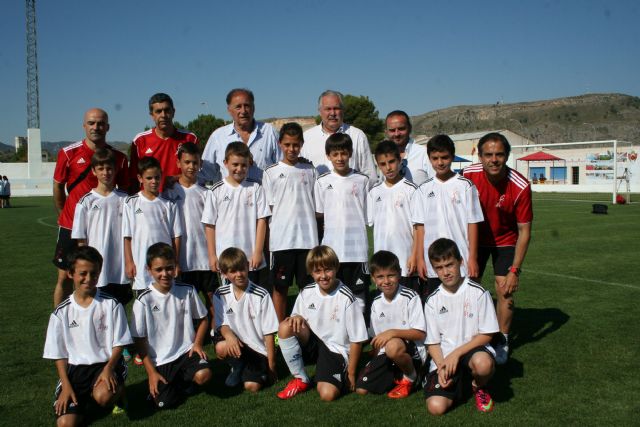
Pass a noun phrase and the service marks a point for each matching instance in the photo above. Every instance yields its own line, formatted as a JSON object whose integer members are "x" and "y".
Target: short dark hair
{"x": 442, "y": 249}
{"x": 233, "y": 259}
{"x": 496, "y": 137}
{"x": 386, "y": 147}
{"x": 384, "y": 260}
{"x": 235, "y": 91}
{"x": 237, "y": 149}
{"x": 103, "y": 156}
{"x": 188, "y": 148}
{"x": 148, "y": 162}
{"x": 86, "y": 253}
{"x": 441, "y": 143}
{"x": 399, "y": 113}
{"x": 160, "y": 250}
{"x": 158, "y": 98}
{"x": 338, "y": 141}
{"x": 292, "y": 129}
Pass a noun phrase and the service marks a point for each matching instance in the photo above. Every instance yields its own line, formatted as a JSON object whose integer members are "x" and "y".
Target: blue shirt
{"x": 263, "y": 144}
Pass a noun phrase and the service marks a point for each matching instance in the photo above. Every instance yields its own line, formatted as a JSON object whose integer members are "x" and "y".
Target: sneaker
{"x": 126, "y": 355}
{"x": 401, "y": 390}
{"x": 484, "y": 402}
{"x": 118, "y": 410}
{"x": 502, "y": 351}
{"x": 138, "y": 360}
{"x": 295, "y": 386}
{"x": 235, "y": 376}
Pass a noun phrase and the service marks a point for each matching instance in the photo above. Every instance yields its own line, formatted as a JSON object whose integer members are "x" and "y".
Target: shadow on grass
{"x": 533, "y": 324}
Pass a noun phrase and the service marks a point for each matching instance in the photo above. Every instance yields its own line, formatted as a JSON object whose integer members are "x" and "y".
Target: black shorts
{"x": 179, "y": 375}
{"x": 83, "y": 378}
{"x": 64, "y": 246}
{"x": 355, "y": 275}
{"x": 460, "y": 387}
{"x": 204, "y": 281}
{"x": 330, "y": 367}
{"x": 122, "y": 292}
{"x": 380, "y": 373}
{"x": 285, "y": 265}
{"x": 501, "y": 256}
{"x": 256, "y": 365}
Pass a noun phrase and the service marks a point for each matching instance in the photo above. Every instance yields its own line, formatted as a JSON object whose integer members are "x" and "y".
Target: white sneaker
{"x": 502, "y": 352}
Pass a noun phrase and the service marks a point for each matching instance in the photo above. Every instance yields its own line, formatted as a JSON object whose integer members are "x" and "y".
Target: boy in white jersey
{"x": 246, "y": 324}
{"x": 238, "y": 205}
{"x": 461, "y": 321}
{"x": 389, "y": 212}
{"x": 162, "y": 326}
{"x": 190, "y": 197}
{"x": 85, "y": 337}
{"x": 288, "y": 185}
{"x": 327, "y": 327}
{"x": 446, "y": 205}
{"x": 97, "y": 222}
{"x": 341, "y": 205}
{"x": 397, "y": 321}
{"x": 148, "y": 218}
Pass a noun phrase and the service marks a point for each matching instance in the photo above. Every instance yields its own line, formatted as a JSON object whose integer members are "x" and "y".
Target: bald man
{"x": 73, "y": 179}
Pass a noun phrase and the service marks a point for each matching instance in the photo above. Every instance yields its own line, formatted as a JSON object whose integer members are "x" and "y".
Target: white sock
{"x": 292, "y": 354}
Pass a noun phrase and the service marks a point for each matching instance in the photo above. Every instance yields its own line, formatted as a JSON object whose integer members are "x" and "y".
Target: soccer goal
{"x": 585, "y": 170}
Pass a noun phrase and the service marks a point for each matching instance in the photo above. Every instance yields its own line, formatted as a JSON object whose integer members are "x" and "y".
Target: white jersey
{"x": 335, "y": 318}
{"x": 86, "y": 335}
{"x": 343, "y": 201}
{"x": 289, "y": 191}
{"x": 250, "y": 318}
{"x": 166, "y": 320}
{"x": 236, "y": 209}
{"x": 389, "y": 212}
{"x": 454, "y": 319}
{"x": 98, "y": 220}
{"x": 404, "y": 311}
{"x": 446, "y": 209}
{"x": 147, "y": 222}
{"x": 193, "y": 243}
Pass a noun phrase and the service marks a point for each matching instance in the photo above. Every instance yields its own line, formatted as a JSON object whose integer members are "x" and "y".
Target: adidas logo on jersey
{"x": 282, "y": 176}
{"x": 73, "y": 324}
{"x": 149, "y": 151}
{"x": 430, "y": 195}
{"x": 330, "y": 187}
{"x": 155, "y": 308}
{"x": 226, "y": 199}
{"x": 81, "y": 160}
{"x": 312, "y": 306}
{"x": 95, "y": 208}
{"x": 138, "y": 211}
{"x": 443, "y": 310}
{"x": 379, "y": 199}
{"x": 382, "y": 315}
{"x": 230, "y": 311}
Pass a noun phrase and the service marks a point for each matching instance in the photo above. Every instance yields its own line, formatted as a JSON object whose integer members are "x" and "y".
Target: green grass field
{"x": 575, "y": 341}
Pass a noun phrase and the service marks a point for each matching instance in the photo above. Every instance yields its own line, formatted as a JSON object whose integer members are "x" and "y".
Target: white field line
{"x": 41, "y": 222}
{"x": 582, "y": 279}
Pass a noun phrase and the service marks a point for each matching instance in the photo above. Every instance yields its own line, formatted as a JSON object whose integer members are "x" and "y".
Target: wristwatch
{"x": 514, "y": 270}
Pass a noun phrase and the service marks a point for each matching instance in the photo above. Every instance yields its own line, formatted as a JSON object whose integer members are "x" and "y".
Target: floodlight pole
{"x": 34, "y": 148}
{"x": 615, "y": 170}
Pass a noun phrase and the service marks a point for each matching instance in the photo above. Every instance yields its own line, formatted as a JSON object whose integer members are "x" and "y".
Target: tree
{"x": 360, "y": 112}
{"x": 204, "y": 125}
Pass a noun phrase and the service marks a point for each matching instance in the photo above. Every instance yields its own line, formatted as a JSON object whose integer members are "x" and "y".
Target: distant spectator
{"x": 5, "y": 192}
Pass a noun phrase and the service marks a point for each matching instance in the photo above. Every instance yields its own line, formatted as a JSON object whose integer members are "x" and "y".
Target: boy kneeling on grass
{"x": 461, "y": 321}
{"x": 86, "y": 335}
{"x": 397, "y": 320}
{"x": 162, "y": 325}
{"x": 326, "y": 326}
{"x": 246, "y": 324}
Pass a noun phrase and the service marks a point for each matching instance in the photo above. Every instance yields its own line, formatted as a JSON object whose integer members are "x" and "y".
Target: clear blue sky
{"x": 413, "y": 55}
